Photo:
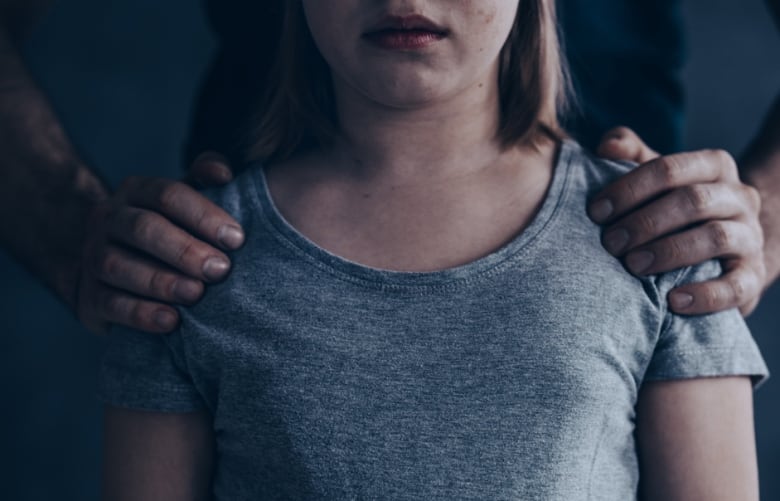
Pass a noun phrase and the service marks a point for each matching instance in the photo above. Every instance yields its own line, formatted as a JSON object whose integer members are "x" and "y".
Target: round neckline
{"x": 369, "y": 276}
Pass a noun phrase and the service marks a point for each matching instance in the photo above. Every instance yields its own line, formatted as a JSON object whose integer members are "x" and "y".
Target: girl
{"x": 422, "y": 309}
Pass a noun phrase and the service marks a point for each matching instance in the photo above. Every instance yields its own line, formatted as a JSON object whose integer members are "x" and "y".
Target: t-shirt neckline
{"x": 449, "y": 277}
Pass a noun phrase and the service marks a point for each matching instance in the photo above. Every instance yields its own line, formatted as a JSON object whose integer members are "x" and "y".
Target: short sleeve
{"x": 717, "y": 344}
{"x": 147, "y": 372}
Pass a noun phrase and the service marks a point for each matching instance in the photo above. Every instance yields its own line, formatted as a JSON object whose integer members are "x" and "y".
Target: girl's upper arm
{"x": 150, "y": 456}
{"x": 696, "y": 440}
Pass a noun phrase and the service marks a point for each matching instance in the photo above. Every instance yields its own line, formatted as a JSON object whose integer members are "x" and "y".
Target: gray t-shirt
{"x": 512, "y": 377}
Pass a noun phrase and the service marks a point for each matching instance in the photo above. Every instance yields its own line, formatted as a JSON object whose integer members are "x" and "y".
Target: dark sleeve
{"x": 147, "y": 372}
{"x": 626, "y": 61}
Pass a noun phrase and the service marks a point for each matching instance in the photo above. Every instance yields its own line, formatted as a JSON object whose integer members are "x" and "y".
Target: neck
{"x": 450, "y": 138}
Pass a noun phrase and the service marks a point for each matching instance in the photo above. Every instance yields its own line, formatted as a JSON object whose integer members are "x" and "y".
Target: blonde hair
{"x": 299, "y": 111}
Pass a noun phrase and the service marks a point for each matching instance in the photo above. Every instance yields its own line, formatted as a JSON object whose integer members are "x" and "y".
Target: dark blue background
{"x": 122, "y": 74}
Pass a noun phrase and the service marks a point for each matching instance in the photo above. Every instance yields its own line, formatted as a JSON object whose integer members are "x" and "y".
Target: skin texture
{"x": 680, "y": 210}
{"x": 418, "y": 164}
{"x": 704, "y": 190}
{"x": 62, "y": 216}
{"x": 403, "y": 80}
{"x": 63, "y": 219}
{"x": 45, "y": 185}
{"x": 696, "y": 440}
{"x": 142, "y": 219}
{"x": 157, "y": 457}
{"x": 701, "y": 427}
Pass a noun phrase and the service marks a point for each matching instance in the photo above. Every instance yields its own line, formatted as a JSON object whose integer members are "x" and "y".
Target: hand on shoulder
{"x": 155, "y": 243}
{"x": 680, "y": 210}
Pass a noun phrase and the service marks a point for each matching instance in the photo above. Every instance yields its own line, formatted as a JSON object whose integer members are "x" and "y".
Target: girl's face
{"x": 409, "y": 53}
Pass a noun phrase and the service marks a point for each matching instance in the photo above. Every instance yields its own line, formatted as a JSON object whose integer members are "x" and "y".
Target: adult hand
{"x": 680, "y": 210}
{"x": 153, "y": 243}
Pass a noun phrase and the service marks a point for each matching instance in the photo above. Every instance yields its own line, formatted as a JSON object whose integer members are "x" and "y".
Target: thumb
{"x": 209, "y": 169}
{"x": 622, "y": 143}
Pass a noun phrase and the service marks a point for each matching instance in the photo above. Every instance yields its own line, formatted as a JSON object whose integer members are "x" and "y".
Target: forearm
{"x": 761, "y": 168}
{"x": 47, "y": 191}
{"x": 695, "y": 440}
{"x": 150, "y": 456}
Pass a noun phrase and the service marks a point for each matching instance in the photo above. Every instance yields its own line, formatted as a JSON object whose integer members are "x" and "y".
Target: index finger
{"x": 186, "y": 207}
{"x": 658, "y": 176}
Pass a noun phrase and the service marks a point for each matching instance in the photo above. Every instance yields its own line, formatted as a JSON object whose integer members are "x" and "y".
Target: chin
{"x": 406, "y": 92}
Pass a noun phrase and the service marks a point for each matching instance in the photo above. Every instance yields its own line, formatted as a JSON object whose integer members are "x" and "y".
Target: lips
{"x": 405, "y": 33}
{"x": 407, "y": 23}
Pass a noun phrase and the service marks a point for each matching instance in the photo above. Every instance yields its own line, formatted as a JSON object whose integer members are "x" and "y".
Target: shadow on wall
{"x": 732, "y": 78}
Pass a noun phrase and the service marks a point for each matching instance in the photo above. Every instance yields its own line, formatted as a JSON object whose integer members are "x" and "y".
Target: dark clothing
{"x": 248, "y": 36}
{"x": 625, "y": 59}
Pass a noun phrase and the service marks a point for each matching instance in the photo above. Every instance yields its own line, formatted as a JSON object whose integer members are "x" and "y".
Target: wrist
{"x": 81, "y": 197}
{"x": 50, "y": 223}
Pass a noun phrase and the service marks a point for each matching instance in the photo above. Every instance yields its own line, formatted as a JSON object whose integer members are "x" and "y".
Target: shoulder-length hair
{"x": 299, "y": 111}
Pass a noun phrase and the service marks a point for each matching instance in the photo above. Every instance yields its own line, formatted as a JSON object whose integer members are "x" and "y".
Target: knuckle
{"x": 160, "y": 284}
{"x": 204, "y": 220}
{"x": 142, "y": 226}
{"x": 628, "y": 193}
{"x": 647, "y": 225}
{"x": 666, "y": 171}
{"x": 113, "y": 305}
{"x": 720, "y": 237}
{"x": 168, "y": 195}
{"x": 108, "y": 264}
{"x": 699, "y": 197}
{"x": 724, "y": 159}
{"x": 753, "y": 277}
{"x": 753, "y": 197}
{"x": 739, "y": 287}
{"x": 676, "y": 250}
{"x": 186, "y": 253}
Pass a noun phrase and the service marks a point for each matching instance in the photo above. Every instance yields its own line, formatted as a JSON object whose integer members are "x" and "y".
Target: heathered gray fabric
{"x": 513, "y": 377}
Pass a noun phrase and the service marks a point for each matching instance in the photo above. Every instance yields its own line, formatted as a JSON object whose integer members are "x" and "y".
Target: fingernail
{"x": 616, "y": 240}
{"x": 232, "y": 237}
{"x": 601, "y": 210}
{"x": 215, "y": 268}
{"x": 187, "y": 291}
{"x": 165, "y": 319}
{"x": 640, "y": 261}
{"x": 223, "y": 173}
{"x": 680, "y": 300}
